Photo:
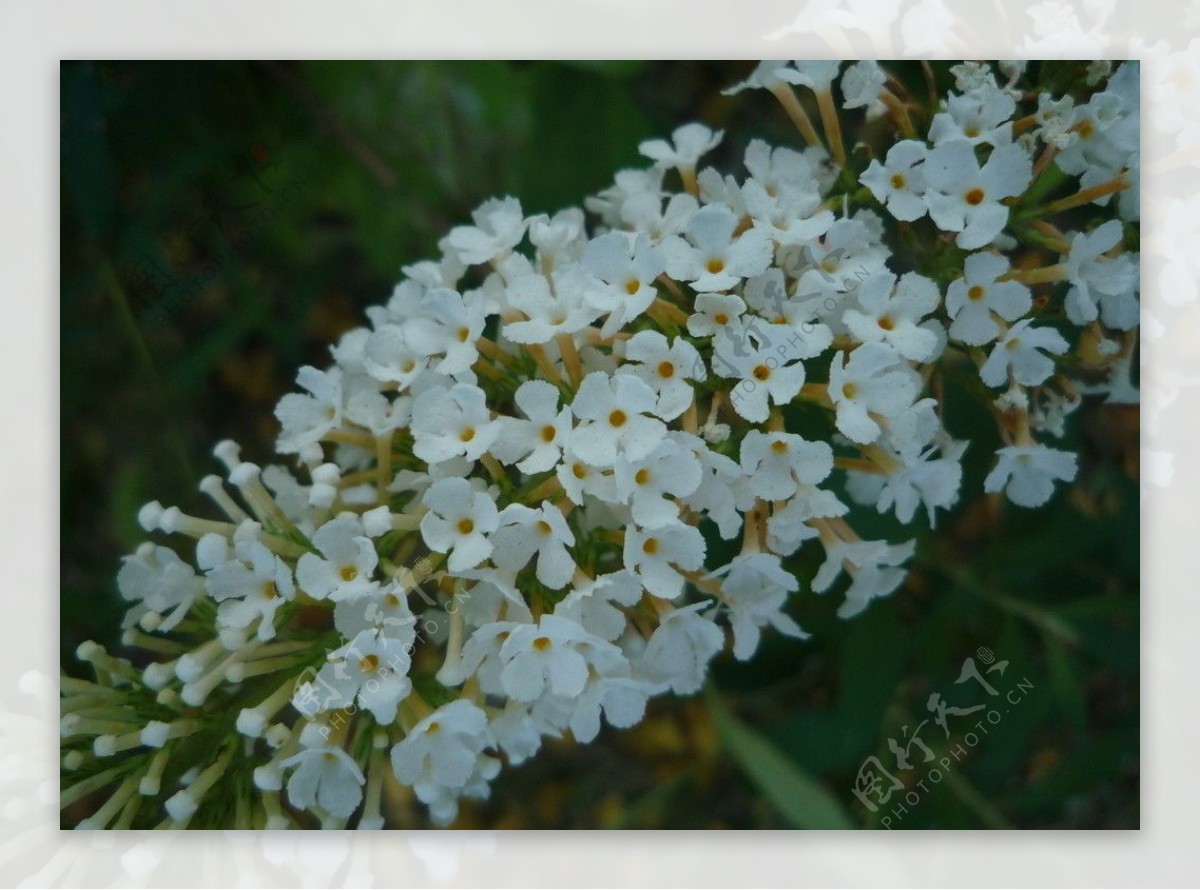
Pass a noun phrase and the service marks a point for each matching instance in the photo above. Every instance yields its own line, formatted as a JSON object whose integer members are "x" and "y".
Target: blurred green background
{"x": 223, "y": 222}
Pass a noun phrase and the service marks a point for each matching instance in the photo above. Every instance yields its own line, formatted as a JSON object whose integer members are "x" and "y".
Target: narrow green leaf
{"x": 799, "y": 798}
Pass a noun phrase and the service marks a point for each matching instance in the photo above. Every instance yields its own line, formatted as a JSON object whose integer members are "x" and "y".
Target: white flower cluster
{"x": 510, "y": 481}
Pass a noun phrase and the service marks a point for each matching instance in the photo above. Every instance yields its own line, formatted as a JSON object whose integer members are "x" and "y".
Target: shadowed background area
{"x": 223, "y": 222}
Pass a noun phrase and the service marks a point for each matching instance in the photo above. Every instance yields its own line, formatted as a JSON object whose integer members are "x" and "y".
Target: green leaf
{"x": 799, "y": 797}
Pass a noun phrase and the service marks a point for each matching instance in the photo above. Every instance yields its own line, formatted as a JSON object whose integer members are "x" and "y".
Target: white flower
{"x": 535, "y": 444}
{"x": 766, "y": 75}
{"x": 307, "y": 418}
{"x": 626, "y": 267}
{"x": 972, "y": 76}
{"x": 817, "y": 75}
{"x": 756, "y": 586}
{"x": 499, "y": 227}
{"x": 647, "y": 215}
{"x": 711, "y": 257}
{"x": 389, "y": 356}
{"x": 1102, "y": 287}
{"x": 559, "y": 239}
{"x": 723, "y": 489}
{"x": 1018, "y": 354}
{"x": 1057, "y": 118}
{"x": 161, "y": 581}
{"x": 790, "y": 215}
{"x": 666, "y": 367}
{"x": 1026, "y": 473}
{"x": 368, "y": 406}
{"x": 923, "y": 479}
{"x": 851, "y": 250}
{"x": 687, "y": 145}
{"x": 971, "y": 300}
{"x": 965, "y": 198}
{"x": 613, "y": 413}
{"x": 667, "y": 470}
{"x": 593, "y": 604}
{"x": 347, "y": 562}
{"x": 480, "y": 656}
{"x": 981, "y": 117}
{"x": 459, "y": 521}
{"x": 579, "y": 478}
{"x": 385, "y": 610}
{"x": 681, "y": 647}
{"x": 862, "y": 84}
{"x": 447, "y": 326}
{"x": 875, "y": 380}
{"x": 372, "y": 668}
{"x": 452, "y": 422}
{"x": 916, "y": 476}
{"x": 325, "y": 777}
{"x": 442, "y": 756}
{"x": 778, "y": 464}
{"x": 524, "y": 531}
{"x": 783, "y": 169}
{"x": 658, "y": 554}
{"x": 768, "y": 364}
{"x": 251, "y": 587}
{"x": 713, "y": 313}
{"x": 627, "y": 185}
{"x": 899, "y": 182}
{"x": 622, "y": 698}
{"x": 548, "y": 313}
{"x": 875, "y": 571}
{"x": 1107, "y": 134}
{"x": 767, "y": 295}
{"x": 892, "y": 313}
{"x": 551, "y": 656}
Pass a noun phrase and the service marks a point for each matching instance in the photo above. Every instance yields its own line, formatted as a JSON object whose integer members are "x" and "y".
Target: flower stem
{"x": 899, "y": 114}
{"x": 571, "y": 360}
{"x": 833, "y": 127}
{"x": 787, "y": 98}
{"x": 1043, "y": 275}
{"x": 1085, "y": 196}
